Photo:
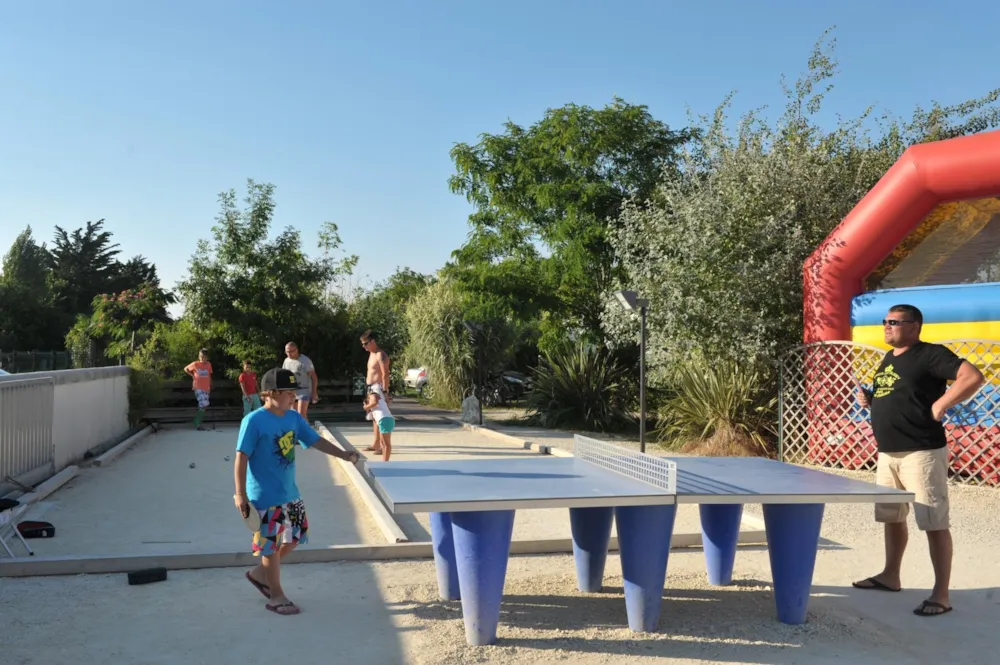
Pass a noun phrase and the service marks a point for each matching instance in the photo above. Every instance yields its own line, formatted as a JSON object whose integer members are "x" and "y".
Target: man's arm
{"x": 967, "y": 381}
{"x": 315, "y": 384}
{"x": 383, "y": 363}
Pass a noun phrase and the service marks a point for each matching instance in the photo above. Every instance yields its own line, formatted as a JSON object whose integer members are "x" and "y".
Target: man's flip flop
{"x": 260, "y": 587}
{"x": 922, "y": 610}
{"x": 283, "y": 608}
{"x": 873, "y": 585}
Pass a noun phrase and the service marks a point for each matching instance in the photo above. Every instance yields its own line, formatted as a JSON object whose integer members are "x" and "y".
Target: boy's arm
{"x": 325, "y": 446}
{"x": 189, "y": 370}
{"x": 310, "y": 438}
{"x": 240, "y": 481}
{"x": 245, "y": 444}
{"x": 243, "y": 385}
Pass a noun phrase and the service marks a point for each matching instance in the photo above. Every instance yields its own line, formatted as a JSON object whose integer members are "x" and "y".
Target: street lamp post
{"x": 631, "y": 301}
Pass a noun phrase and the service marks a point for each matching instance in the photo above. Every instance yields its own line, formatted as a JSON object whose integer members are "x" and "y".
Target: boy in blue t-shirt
{"x": 265, "y": 481}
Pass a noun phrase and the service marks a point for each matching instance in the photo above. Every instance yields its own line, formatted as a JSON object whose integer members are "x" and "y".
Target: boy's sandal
{"x": 260, "y": 587}
{"x": 283, "y": 608}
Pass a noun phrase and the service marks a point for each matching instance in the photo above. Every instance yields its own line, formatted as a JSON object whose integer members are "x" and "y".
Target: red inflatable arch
{"x": 926, "y": 175}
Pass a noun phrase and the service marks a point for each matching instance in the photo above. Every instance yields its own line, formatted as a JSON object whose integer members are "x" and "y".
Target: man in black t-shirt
{"x": 908, "y": 400}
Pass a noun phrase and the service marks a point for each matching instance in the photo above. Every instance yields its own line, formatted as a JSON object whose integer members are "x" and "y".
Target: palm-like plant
{"x": 581, "y": 386}
{"x": 721, "y": 407}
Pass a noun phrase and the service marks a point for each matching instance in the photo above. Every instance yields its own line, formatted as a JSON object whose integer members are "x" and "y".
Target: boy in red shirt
{"x": 248, "y": 383}
{"x": 200, "y": 372}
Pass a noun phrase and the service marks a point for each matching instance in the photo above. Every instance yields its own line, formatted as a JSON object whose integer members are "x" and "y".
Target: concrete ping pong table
{"x": 472, "y": 504}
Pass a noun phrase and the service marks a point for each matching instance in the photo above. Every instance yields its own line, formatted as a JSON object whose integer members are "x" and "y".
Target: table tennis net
{"x": 630, "y": 463}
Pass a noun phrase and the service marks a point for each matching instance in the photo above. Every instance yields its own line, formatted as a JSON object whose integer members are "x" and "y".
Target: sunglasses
{"x": 895, "y": 322}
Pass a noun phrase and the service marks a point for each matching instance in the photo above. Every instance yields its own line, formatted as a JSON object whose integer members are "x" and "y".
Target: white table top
{"x": 760, "y": 480}
{"x": 507, "y": 483}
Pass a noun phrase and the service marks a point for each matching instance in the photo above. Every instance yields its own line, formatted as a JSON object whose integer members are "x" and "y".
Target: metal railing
{"x": 26, "y": 442}
{"x": 821, "y": 421}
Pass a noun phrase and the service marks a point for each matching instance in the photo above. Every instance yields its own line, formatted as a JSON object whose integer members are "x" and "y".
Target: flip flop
{"x": 873, "y": 585}
{"x": 281, "y": 607}
{"x": 922, "y": 610}
{"x": 260, "y": 587}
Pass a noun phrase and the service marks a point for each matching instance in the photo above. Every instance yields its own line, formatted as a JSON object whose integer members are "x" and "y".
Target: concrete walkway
{"x": 150, "y": 501}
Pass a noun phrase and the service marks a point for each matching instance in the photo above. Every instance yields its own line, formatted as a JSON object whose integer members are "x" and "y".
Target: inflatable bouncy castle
{"x": 927, "y": 234}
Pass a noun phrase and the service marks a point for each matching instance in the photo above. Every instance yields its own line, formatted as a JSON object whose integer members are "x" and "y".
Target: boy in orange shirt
{"x": 248, "y": 384}
{"x": 200, "y": 372}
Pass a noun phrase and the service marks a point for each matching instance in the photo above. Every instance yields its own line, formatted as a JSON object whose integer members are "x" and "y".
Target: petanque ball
{"x": 192, "y": 465}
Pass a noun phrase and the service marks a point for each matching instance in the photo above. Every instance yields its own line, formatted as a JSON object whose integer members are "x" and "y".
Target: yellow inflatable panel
{"x": 933, "y": 332}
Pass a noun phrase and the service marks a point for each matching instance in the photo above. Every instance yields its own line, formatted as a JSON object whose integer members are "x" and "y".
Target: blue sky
{"x": 142, "y": 112}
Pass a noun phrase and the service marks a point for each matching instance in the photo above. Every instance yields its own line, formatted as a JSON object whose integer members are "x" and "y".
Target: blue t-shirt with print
{"x": 270, "y": 442}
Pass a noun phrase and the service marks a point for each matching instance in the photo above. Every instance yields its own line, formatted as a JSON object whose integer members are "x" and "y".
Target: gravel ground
{"x": 388, "y": 612}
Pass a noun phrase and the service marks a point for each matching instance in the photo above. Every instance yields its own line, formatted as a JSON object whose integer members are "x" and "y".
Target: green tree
{"x": 545, "y": 197}
{"x": 28, "y": 319}
{"x": 383, "y": 310}
{"x": 84, "y": 265}
{"x": 440, "y": 341}
{"x": 251, "y": 294}
{"x": 120, "y": 322}
{"x": 720, "y": 251}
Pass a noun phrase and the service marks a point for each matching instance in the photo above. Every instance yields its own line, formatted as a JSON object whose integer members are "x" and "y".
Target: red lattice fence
{"x": 822, "y": 423}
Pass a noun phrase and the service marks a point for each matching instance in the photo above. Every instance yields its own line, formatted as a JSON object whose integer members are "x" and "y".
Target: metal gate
{"x": 820, "y": 421}
{"x": 26, "y": 426}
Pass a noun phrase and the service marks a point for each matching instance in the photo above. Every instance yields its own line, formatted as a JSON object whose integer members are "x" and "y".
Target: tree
{"x": 383, "y": 310}
{"x": 84, "y": 265}
{"x": 440, "y": 341}
{"x": 252, "y": 294}
{"x": 27, "y": 317}
{"x": 26, "y": 263}
{"x": 719, "y": 252}
{"x": 120, "y": 322}
{"x": 557, "y": 185}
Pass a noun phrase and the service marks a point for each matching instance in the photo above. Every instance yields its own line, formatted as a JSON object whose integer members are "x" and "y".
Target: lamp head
{"x": 631, "y": 301}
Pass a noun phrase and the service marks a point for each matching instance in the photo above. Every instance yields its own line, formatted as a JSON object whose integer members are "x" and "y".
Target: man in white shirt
{"x": 305, "y": 377}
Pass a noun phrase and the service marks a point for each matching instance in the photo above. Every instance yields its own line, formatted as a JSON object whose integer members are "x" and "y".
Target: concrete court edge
{"x": 400, "y": 549}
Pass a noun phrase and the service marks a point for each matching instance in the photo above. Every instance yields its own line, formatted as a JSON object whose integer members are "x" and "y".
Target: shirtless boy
{"x": 376, "y": 378}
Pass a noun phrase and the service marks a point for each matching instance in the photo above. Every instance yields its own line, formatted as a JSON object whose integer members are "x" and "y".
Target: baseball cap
{"x": 278, "y": 379}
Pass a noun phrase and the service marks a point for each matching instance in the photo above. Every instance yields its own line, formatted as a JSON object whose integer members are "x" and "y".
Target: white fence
{"x": 26, "y": 426}
{"x": 49, "y": 420}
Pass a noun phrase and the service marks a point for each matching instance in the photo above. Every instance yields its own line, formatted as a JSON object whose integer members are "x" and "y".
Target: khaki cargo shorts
{"x": 923, "y": 472}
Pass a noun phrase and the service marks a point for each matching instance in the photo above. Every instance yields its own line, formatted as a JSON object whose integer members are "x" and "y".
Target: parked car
{"x": 416, "y": 378}
{"x": 4, "y": 373}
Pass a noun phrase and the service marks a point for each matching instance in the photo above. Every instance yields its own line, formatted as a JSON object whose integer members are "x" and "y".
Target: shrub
{"x": 581, "y": 386}
{"x": 440, "y": 342}
{"x": 720, "y": 407}
{"x": 145, "y": 391}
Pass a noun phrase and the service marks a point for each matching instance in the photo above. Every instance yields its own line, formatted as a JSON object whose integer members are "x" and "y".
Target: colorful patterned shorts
{"x": 202, "y": 396}
{"x": 282, "y": 524}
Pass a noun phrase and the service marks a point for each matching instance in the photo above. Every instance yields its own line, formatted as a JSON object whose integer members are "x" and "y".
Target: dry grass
{"x": 726, "y": 442}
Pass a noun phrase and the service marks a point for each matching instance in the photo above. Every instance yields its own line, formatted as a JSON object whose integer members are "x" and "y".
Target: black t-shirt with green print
{"x": 905, "y": 388}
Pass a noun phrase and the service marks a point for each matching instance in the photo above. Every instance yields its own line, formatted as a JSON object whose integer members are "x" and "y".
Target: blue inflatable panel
{"x": 977, "y": 412}
{"x": 957, "y": 303}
